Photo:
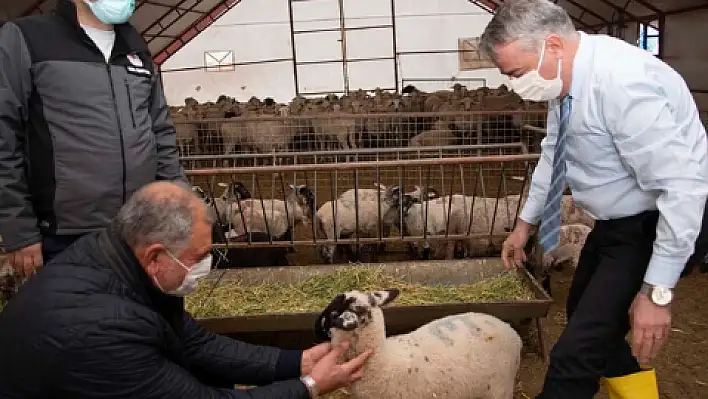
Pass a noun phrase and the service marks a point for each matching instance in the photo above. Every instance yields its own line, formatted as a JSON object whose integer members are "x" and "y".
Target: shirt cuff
{"x": 530, "y": 213}
{"x": 664, "y": 270}
{"x": 288, "y": 365}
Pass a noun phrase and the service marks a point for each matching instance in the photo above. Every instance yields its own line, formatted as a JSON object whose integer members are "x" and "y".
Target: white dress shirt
{"x": 635, "y": 142}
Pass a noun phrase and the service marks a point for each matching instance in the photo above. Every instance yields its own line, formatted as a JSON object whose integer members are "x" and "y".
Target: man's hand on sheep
{"x": 513, "y": 253}
{"x": 26, "y": 260}
{"x": 650, "y": 327}
{"x": 311, "y": 356}
{"x": 330, "y": 376}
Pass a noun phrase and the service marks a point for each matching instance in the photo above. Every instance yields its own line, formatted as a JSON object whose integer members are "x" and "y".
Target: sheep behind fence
{"x": 469, "y": 207}
{"x": 345, "y": 128}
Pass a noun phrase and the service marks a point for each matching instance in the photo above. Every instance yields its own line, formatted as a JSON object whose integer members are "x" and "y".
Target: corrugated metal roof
{"x": 168, "y": 25}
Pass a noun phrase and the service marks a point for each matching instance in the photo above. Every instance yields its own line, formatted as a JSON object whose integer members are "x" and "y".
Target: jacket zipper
{"x": 120, "y": 131}
{"x": 95, "y": 48}
{"x": 130, "y": 104}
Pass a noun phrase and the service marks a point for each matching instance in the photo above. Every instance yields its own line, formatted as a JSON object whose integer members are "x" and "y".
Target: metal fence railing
{"x": 469, "y": 203}
{"x": 335, "y": 131}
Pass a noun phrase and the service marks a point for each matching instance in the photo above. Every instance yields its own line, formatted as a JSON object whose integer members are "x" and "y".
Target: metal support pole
{"x": 662, "y": 35}
{"x": 343, "y": 42}
{"x": 292, "y": 45}
{"x": 395, "y": 45}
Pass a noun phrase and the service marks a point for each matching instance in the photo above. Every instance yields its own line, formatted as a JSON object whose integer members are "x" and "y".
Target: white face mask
{"x": 189, "y": 284}
{"x": 533, "y": 87}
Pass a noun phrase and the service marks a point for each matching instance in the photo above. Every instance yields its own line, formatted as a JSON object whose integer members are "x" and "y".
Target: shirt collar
{"x": 581, "y": 64}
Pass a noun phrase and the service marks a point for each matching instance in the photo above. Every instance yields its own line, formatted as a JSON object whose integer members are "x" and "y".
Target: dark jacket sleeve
{"x": 168, "y": 165}
{"x": 115, "y": 359}
{"x": 18, "y": 223}
{"x": 225, "y": 361}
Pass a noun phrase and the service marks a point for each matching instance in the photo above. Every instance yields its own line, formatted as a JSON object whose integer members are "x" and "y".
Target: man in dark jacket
{"x": 106, "y": 319}
{"x": 83, "y": 124}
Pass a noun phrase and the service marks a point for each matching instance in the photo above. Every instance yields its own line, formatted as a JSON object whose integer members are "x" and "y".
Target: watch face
{"x": 661, "y": 296}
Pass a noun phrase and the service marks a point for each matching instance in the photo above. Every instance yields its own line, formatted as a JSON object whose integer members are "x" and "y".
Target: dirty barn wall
{"x": 683, "y": 31}
{"x": 258, "y": 30}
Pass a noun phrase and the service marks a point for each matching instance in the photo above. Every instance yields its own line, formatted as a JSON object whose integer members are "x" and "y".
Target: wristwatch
{"x": 661, "y": 296}
{"x": 310, "y": 385}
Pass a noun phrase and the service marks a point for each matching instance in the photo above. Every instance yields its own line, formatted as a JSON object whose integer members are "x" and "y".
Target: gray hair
{"x": 147, "y": 219}
{"x": 528, "y": 21}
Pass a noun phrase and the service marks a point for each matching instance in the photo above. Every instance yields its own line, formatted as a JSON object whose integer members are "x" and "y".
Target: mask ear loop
{"x": 540, "y": 58}
{"x": 179, "y": 262}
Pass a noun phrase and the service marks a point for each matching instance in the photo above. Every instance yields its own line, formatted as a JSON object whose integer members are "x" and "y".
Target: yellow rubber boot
{"x": 641, "y": 385}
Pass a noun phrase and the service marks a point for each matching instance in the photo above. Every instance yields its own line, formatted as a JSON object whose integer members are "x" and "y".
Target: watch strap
{"x": 311, "y": 386}
{"x": 649, "y": 289}
{"x": 646, "y": 289}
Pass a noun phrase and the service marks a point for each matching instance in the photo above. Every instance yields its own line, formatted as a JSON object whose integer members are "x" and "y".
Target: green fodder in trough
{"x": 233, "y": 298}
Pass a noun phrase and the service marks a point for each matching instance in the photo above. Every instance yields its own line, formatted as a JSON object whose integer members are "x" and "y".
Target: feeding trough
{"x": 307, "y": 282}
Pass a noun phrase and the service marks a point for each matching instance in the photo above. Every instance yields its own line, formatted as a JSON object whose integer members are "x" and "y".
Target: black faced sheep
{"x": 468, "y": 355}
{"x": 239, "y": 257}
{"x": 345, "y": 224}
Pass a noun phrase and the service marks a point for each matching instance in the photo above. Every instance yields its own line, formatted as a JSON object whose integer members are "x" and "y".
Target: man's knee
{"x": 53, "y": 245}
{"x": 575, "y": 356}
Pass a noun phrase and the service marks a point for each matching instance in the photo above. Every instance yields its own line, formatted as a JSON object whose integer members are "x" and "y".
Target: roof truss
{"x": 168, "y": 25}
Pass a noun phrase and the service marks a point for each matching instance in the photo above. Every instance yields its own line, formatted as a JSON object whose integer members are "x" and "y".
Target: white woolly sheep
{"x": 260, "y": 136}
{"x": 373, "y": 193}
{"x": 571, "y": 242}
{"x": 479, "y": 353}
{"x": 346, "y": 220}
{"x": 439, "y": 135}
{"x": 446, "y": 214}
{"x": 273, "y": 215}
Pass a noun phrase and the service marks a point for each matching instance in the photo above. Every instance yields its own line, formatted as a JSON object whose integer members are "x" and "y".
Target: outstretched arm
{"x": 116, "y": 358}
{"x": 228, "y": 361}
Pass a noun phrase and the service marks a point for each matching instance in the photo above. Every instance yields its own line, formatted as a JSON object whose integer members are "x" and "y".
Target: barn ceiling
{"x": 168, "y": 25}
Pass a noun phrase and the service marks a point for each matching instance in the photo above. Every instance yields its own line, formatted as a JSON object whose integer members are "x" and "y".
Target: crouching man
{"x": 107, "y": 319}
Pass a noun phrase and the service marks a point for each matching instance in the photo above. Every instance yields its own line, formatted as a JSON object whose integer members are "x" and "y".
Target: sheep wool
{"x": 479, "y": 353}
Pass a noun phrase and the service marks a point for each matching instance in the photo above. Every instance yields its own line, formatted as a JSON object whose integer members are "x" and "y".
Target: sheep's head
{"x": 352, "y": 310}
{"x": 392, "y": 194}
{"x": 409, "y": 89}
{"x": 198, "y": 191}
{"x": 201, "y": 194}
{"x": 305, "y": 198}
{"x": 235, "y": 191}
{"x": 392, "y": 217}
{"x": 430, "y": 194}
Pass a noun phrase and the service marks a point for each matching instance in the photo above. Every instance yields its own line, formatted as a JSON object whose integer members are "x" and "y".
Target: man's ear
{"x": 555, "y": 46}
{"x": 150, "y": 255}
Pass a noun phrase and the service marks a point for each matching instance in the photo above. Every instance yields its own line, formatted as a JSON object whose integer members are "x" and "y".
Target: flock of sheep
{"x": 240, "y": 217}
{"x": 357, "y": 120}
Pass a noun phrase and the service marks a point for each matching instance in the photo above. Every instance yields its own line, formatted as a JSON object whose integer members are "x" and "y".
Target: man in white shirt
{"x": 625, "y": 135}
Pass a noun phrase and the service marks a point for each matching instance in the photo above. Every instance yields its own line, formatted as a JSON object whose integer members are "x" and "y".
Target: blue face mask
{"x": 112, "y": 12}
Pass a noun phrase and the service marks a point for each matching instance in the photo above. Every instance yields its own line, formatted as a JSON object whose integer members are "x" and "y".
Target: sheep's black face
{"x": 406, "y": 204}
{"x": 433, "y": 193}
{"x": 352, "y": 310}
{"x": 239, "y": 191}
{"x": 395, "y": 193}
{"x": 409, "y": 89}
{"x": 308, "y": 198}
{"x": 198, "y": 191}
